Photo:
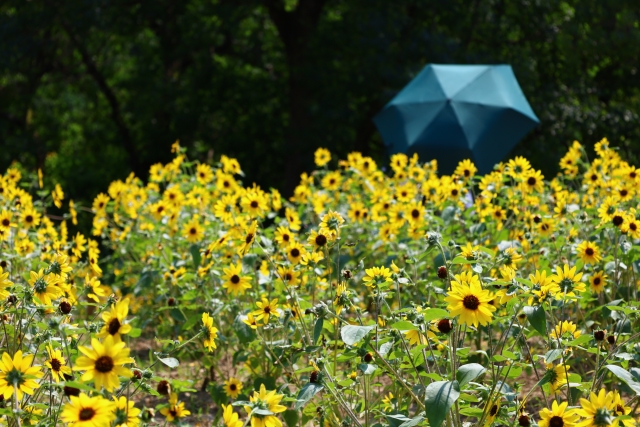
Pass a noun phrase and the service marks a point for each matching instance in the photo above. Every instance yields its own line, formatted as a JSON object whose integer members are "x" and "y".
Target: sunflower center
{"x": 454, "y": 192}
{"x": 623, "y": 192}
{"x": 28, "y": 218}
{"x": 415, "y": 213}
{"x": 471, "y": 302}
{"x": 249, "y": 238}
{"x": 114, "y": 326}
{"x": 589, "y": 251}
{"x": 594, "y": 177}
{"x": 6, "y": 222}
{"x": 321, "y": 240}
{"x": 494, "y": 410}
{"x": 544, "y": 227}
{"x": 104, "y": 364}
{"x": 617, "y": 220}
{"x": 295, "y": 252}
{"x": 40, "y": 286}
{"x": 633, "y": 226}
{"x": 288, "y": 277}
{"x": 55, "y": 364}
{"x": 267, "y": 309}
{"x": 254, "y": 204}
{"x": 596, "y": 281}
{"x": 233, "y": 387}
{"x": 556, "y": 421}
{"x": 86, "y": 414}
{"x": 285, "y": 237}
{"x": 531, "y": 181}
{"x": 193, "y": 231}
{"x": 235, "y": 279}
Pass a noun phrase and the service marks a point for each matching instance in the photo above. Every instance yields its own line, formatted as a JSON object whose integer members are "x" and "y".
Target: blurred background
{"x": 93, "y": 89}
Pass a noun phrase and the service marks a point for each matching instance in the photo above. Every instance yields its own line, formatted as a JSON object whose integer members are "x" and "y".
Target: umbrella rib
{"x": 470, "y": 82}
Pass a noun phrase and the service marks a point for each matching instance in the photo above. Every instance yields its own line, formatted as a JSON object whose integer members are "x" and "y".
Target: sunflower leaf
{"x": 171, "y": 362}
{"x": 352, "y": 334}
{"x": 626, "y": 377}
{"x": 440, "y": 396}
{"x": 469, "y": 372}
{"x": 538, "y": 319}
{"x": 307, "y": 392}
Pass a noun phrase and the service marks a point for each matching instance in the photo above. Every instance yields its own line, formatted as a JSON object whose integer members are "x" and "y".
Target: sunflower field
{"x": 370, "y": 298}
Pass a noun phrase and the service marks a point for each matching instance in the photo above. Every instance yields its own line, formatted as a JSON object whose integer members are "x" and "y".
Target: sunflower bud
{"x": 598, "y": 335}
{"x": 445, "y": 326}
{"x": 611, "y": 339}
{"x": 524, "y": 420}
{"x": 65, "y": 307}
{"x": 442, "y": 272}
{"x": 164, "y": 388}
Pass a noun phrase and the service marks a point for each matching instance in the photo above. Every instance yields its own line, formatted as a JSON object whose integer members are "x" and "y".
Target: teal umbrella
{"x": 456, "y": 112}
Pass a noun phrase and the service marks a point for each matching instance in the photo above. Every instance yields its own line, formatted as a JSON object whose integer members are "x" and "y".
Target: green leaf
{"x": 469, "y": 372}
{"x": 538, "y": 319}
{"x": 317, "y": 329}
{"x": 582, "y": 339}
{"x": 291, "y": 417}
{"x": 195, "y": 253}
{"x": 306, "y": 393}
{"x": 403, "y": 325}
{"x": 552, "y": 355}
{"x": 80, "y": 386}
{"x": 412, "y": 422}
{"x": 352, "y": 334}
{"x": 434, "y": 313}
{"x": 626, "y": 377}
{"x": 440, "y": 396}
{"x": 367, "y": 368}
{"x": 171, "y": 362}
{"x": 135, "y": 332}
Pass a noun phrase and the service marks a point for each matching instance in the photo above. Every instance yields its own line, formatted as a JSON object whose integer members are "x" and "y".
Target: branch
{"x": 108, "y": 93}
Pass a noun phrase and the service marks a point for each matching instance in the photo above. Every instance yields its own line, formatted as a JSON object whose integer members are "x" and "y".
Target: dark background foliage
{"x": 93, "y": 89}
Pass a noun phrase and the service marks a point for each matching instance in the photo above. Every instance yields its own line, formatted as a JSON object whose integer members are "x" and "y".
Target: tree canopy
{"x": 93, "y": 89}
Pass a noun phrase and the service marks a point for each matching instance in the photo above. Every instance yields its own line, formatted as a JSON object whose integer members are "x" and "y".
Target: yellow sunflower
{"x": 266, "y": 309}
{"x": 589, "y": 252}
{"x": 56, "y": 364}
{"x": 232, "y": 387}
{"x": 250, "y": 237}
{"x": 234, "y": 283}
{"x": 230, "y": 417}
{"x": 193, "y": 231}
{"x": 210, "y": 332}
{"x": 85, "y": 411}
{"x": 597, "y": 282}
{"x": 103, "y": 363}
{"x": 568, "y": 280}
{"x": 377, "y": 276}
{"x": 598, "y": 410}
{"x": 176, "y": 409}
{"x": 18, "y": 375}
{"x": 471, "y": 303}
{"x": 44, "y": 287}
{"x": 114, "y": 320}
{"x": 126, "y": 414}
{"x": 558, "y": 416}
{"x": 267, "y": 400}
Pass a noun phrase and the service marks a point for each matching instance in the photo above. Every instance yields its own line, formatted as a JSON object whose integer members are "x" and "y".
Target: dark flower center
{"x": 114, "y": 326}
{"x": 544, "y": 227}
{"x": 267, "y": 310}
{"x": 193, "y": 230}
{"x": 537, "y": 219}
{"x": 454, "y": 192}
{"x": 233, "y": 387}
{"x": 321, "y": 240}
{"x": 28, "y": 218}
{"x": 288, "y": 277}
{"x": 596, "y": 281}
{"x": 415, "y": 213}
{"x": 249, "y": 238}
{"x": 494, "y": 410}
{"x": 556, "y": 421}
{"x": 295, "y": 252}
{"x": 55, "y": 364}
{"x": 285, "y": 237}
{"x": 86, "y": 414}
{"x": 235, "y": 279}
{"x": 623, "y": 192}
{"x": 633, "y": 226}
{"x": 6, "y": 222}
{"x": 589, "y": 251}
{"x": 531, "y": 181}
{"x": 594, "y": 177}
{"x": 471, "y": 302}
{"x": 617, "y": 220}
{"x": 104, "y": 364}
{"x": 467, "y": 172}
{"x": 254, "y": 204}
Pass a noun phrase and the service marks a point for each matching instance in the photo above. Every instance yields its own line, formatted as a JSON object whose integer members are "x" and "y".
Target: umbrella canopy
{"x": 456, "y": 112}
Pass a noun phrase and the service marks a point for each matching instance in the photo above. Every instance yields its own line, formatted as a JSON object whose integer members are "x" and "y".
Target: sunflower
{"x": 232, "y": 387}
{"x": 44, "y": 287}
{"x": 102, "y": 363}
{"x": 532, "y": 181}
{"x": 598, "y": 281}
{"x": 269, "y": 401}
{"x": 193, "y": 231}
{"x": 322, "y": 156}
{"x": 320, "y": 238}
{"x": 250, "y": 237}
{"x": 265, "y": 309}
{"x": 5, "y": 220}
{"x": 288, "y": 276}
{"x": 18, "y": 375}
{"x": 100, "y": 202}
{"x": 114, "y": 320}
{"x": 357, "y": 212}
{"x": 30, "y": 217}
{"x": 254, "y": 203}
{"x": 619, "y": 407}
{"x": 284, "y": 236}
{"x": 210, "y": 332}
{"x": 85, "y": 411}
{"x": 377, "y": 276}
{"x": 126, "y": 414}
{"x": 4, "y": 284}
{"x": 471, "y": 303}
{"x": 293, "y": 219}
{"x": 225, "y": 209}
{"x": 234, "y": 283}
{"x": 230, "y": 417}
{"x": 56, "y": 364}
{"x": 568, "y": 280}
{"x": 565, "y": 327}
{"x": 332, "y": 221}
{"x": 588, "y": 252}
{"x": 295, "y": 251}
{"x": 518, "y": 167}
{"x": 557, "y": 376}
{"x": 331, "y": 181}
{"x": 465, "y": 169}
{"x": 598, "y": 410}
{"x": 492, "y": 413}
{"x": 176, "y": 409}
{"x": 204, "y": 174}
{"x": 250, "y": 321}
{"x": 558, "y": 416}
